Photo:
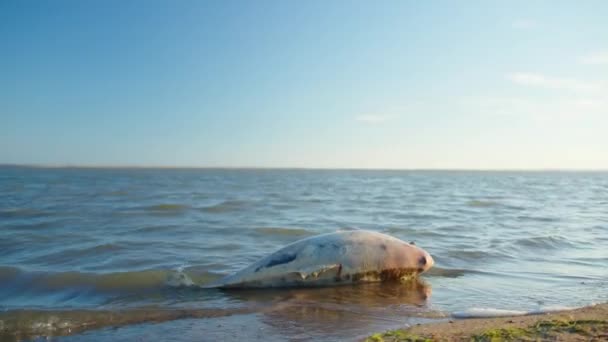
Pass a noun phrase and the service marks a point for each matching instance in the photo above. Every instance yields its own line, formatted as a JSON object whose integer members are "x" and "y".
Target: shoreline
{"x": 583, "y": 324}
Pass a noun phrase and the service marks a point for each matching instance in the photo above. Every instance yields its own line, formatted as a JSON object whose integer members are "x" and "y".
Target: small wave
{"x": 75, "y": 254}
{"x": 482, "y": 204}
{"x": 226, "y": 206}
{"x": 178, "y": 278}
{"x": 118, "y": 193}
{"x": 492, "y": 204}
{"x": 411, "y": 233}
{"x": 469, "y": 255}
{"x": 487, "y": 313}
{"x": 537, "y": 218}
{"x": 167, "y": 208}
{"x": 282, "y": 231}
{"x": 224, "y": 247}
{"x": 283, "y": 206}
{"x": 21, "y": 213}
{"x": 34, "y": 225}
{"x": 155, "y": 229}
{"x": 446, "y": 272}
{"x": 492, "y": 312}
{"x": 425, "y": 217}
{"x": 118, "y": 282}
{"x": 544, "y": 242}
{"x": 26, "y": 324}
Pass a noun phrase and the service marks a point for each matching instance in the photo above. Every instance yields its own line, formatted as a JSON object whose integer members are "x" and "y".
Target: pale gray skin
{"x": 333, "y": 259}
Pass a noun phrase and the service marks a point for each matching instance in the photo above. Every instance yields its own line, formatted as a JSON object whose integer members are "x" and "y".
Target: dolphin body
{"x": 331, "y": 259}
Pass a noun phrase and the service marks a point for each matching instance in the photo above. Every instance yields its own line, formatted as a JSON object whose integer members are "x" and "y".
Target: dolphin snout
{"x": 425, "y": 262}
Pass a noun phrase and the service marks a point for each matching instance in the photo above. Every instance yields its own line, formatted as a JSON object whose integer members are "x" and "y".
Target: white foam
{"x": 487, "y": 313}
{"x": 178, "y": 278}
{"x": 492, "y": 312}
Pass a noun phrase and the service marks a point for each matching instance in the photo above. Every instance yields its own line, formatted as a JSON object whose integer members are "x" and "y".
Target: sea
{"x": 123, "y": 254}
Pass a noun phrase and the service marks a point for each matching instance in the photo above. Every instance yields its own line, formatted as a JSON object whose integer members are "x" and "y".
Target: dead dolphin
{"x": 330, "y": 259}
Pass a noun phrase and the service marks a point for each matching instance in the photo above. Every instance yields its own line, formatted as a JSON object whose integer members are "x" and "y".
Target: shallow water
{"x": 108, "y": 243}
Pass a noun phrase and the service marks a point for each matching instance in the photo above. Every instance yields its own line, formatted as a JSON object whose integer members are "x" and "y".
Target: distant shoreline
{"x": 287, "y": 168}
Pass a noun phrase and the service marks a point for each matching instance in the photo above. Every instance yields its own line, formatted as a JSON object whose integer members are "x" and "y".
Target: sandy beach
{"x": 585, "y": 324}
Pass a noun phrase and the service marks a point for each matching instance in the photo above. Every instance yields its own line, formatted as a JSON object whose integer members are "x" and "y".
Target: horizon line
{"x": 192, "y": 167}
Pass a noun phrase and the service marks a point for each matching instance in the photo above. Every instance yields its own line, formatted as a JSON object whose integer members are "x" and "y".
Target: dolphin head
{"x": 398, "y": 259}
{"x": 404, "y": 261}
{"x": 425, "y": 261}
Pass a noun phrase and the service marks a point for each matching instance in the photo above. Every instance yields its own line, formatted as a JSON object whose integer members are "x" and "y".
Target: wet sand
{"x": 585, "y": 324}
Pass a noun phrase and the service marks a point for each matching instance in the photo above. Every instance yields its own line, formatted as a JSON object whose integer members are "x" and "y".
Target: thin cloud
{"x": 538, "y": 109}
{"x": 597, "y": 58}
{"x": 524, "y": 24}
{"x": 374, "y": 118}
{"x": 542, "y": 81}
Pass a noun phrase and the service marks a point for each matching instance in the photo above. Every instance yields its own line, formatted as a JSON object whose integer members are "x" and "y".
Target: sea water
{"x": 82, "y": 250}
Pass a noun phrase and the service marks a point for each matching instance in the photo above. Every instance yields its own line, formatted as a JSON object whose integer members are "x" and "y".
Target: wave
{"x": 167, "y": 208}
{"x": 482, "y": 204}
{"x": 492, "y": 312}
{"x": 492, "y": 204}
{"x": 74, "y": 255}
{"x": 161, "y": 209}
{"x": 117, "y": 282}
{"x": 156, "y": 229}
{"x": 537, "y": 218}
{"x": 469, "y": 254}
{"x": 34, "y": 225}
{"x": 408, "y": 233}
{"x": 26, "y": 324}
{"x": 544, "y": 242}
{"x": 117, "y": 193}
{"x": 273, "y": 231}
{"x": 286, "y": 304}
{"x": 447, "y": 272}
{"x": 22, "y": 213}
{"x": 226, "y": 206}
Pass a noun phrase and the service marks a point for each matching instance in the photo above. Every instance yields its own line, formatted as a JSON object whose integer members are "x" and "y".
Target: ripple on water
{"x": 75, "y": 255}
{"x": 167, "y": 209}
{"x": 22, "y": 213}
{"x": 32, "y": 324}
{"x": 34, "y": 225}
{"x": 482, "y": 203}
{"x": 118, "y": 193}
{"x": 474, "y": 255}
{"x": 115, "y": 282}
{"x": 408, "y": 233}
{"x": 224, "y": 247}
{"x": 537, "y": 218}
{"x": 544, "y": 242}
{"x": 226, "y": 206}
{"x": 493, "y": 204}
{"x": 157, "y": 229}
{"x": 446, "y": 272}
{"x": 283, "y": 231}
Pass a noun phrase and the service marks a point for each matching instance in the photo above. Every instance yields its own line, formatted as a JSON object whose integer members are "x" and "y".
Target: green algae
{"x": 501, "y": 334}
{"x": 542, "y": 330}
{"x": 397, "y": 335}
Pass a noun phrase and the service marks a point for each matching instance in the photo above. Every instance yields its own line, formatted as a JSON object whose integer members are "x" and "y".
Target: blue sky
{"x": 404, "y": 84}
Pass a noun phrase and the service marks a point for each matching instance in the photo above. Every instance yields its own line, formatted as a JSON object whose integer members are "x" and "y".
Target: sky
{"x": 314, "y": 84}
